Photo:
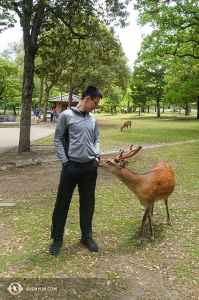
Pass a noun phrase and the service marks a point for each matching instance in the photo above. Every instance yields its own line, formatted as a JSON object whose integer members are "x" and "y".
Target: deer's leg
{"x": 146, "y": 214}
{"x": 152, "y": 238}
{"x": 167, "y": 209}
{"x": 152, "y": 211}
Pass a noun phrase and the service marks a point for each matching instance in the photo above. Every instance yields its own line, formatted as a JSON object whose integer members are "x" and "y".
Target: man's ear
{"x": 87, "y": 98}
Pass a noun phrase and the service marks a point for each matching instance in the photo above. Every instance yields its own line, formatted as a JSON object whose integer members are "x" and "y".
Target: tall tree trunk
{"x": 27, "y": 90}
{"x": 70, "y": 92}
{"x": 46, "y": 103}
{"x": 197, "y": 107}
{"x": 31, "y": 32}
{"x": 40, "y": 93}
{"x": 158, "y": 106}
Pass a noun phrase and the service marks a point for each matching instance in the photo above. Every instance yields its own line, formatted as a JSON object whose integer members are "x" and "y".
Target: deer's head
{"x": 111, "y": 164}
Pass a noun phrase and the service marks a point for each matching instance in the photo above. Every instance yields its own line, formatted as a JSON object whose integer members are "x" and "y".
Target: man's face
{"x": 93, "y": 102}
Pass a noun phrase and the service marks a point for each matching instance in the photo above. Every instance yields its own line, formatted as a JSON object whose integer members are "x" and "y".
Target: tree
{"x": 148, "y": 81}
{"x": 98, "y": 61}
{"x": 9, "y": 85}
{"x": 35, "y": 16}
{"x": 175, "y": 25}
{"x": 182, "y": 83}
{"x": 72, "y": 63}
{"x": 113, "y": 100}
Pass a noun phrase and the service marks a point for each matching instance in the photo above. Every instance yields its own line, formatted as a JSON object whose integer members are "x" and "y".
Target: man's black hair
{"x": 92, "y": 91}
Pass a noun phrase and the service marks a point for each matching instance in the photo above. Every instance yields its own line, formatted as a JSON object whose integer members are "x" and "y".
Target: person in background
{"x": 36, "y": 115}
{"x": 51, "y": 115}
{"x": 54, "y": 114}
{"x": 76, "y": 141}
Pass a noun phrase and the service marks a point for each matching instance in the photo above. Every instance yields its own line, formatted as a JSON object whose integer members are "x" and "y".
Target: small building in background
{"x": 62, "y": 102}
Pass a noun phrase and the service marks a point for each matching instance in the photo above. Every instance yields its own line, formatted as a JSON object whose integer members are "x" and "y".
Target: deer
{"x": 155, "y": 185}
{"x": 127, "y": 125}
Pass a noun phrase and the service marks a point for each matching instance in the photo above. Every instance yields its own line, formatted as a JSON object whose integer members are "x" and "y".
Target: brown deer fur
{"x": 127, "y": 125}
{"x": 157, "y": 184}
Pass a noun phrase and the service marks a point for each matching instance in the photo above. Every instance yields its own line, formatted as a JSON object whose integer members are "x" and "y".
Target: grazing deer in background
{"x": 127, "y": 125}
{"x": 157, "y": 184}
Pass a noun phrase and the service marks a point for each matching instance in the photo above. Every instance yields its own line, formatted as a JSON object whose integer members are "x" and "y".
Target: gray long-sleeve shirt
{"x": 76, "y": 136}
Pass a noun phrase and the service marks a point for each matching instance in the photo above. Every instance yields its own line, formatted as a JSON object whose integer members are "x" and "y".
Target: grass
{"x": 146, "y": 129}
{"x": 165, "y": 269}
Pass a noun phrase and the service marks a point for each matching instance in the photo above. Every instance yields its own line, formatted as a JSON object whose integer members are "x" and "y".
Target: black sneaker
{"x": 90, "y": 244}
{"x": 55, "y": 247}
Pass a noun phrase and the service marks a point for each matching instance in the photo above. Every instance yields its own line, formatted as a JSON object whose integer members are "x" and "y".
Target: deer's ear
{"x": 109, "y": 162}
{"x": 126, "y": 163}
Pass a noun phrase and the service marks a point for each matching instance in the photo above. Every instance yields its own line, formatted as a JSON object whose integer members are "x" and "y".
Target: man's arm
{"x": 59, "y": 138}
{"x": 97, "y": 142}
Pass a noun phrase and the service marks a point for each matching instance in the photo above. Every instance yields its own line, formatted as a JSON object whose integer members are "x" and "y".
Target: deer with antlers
{"x": 157, "y": 184}
{"x": 127, "y": 125}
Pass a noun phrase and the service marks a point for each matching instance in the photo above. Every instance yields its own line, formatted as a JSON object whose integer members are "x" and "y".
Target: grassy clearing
{"x": 146, "y": 129}
{"x": 165, "y": 269}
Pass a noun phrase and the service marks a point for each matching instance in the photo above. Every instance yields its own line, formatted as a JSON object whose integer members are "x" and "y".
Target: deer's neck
{"x": 129, "y": 178}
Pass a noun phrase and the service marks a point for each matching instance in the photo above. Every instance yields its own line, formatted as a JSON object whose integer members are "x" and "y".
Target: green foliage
{"x": 175, "y": 34}
{"x": 148, "y": 81}
{"x": 10, "y": 87}
{"x": 182, "y": 82}
{"x": 37, "y": 17}
{"x": 175, "y": 26}
{"x": 99, "y": 59}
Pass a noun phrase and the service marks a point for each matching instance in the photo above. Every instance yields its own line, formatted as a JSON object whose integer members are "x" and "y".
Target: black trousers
{"x": 84, "y": 175}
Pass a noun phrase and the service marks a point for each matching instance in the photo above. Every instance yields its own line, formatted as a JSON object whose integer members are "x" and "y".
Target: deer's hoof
{"x": 138, "y": 243}
{"x": 152, "y": 239}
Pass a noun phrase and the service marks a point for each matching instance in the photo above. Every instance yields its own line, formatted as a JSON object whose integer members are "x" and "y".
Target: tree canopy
{"x": 175, "y": 30}
{"x": 36, "y": 16}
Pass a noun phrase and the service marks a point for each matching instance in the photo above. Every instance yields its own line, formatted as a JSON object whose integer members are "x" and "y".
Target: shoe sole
{"x": 54, "y": 254}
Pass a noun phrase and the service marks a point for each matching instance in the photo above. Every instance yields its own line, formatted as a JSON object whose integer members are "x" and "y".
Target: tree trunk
{"x": 27, "y": 90}
{"x": 70, "y": 92}
{"x": 158, "y": 107}
{"x": 46, "y": 104}
{"x": 187, "y": 110}
{"x": 31, "y": 32}
{"x": 197, "y": 107}
{"x": 40, "y": 93}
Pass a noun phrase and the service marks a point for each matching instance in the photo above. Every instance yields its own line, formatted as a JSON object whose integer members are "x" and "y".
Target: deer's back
{"x": 155, "y": 185}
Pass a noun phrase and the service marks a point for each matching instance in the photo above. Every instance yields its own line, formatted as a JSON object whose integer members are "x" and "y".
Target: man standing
{"x": 36, "y": 115}
{"x": 77, "y": 144}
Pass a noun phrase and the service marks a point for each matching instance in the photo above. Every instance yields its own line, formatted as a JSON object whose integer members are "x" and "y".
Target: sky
{"x": 130, "y": 37}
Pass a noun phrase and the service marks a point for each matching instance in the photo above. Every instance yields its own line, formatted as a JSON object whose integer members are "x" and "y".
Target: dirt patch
{"x": 19, "y": 181}
{"x": 16, "y": 182}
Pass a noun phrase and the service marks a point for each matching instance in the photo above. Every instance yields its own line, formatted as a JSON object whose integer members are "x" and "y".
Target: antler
{"x": 130, "y": 153}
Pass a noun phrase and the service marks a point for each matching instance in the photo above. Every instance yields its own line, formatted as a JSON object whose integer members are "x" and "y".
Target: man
{"x": 77, "y": 144}
{"x": 36, "y": 115}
